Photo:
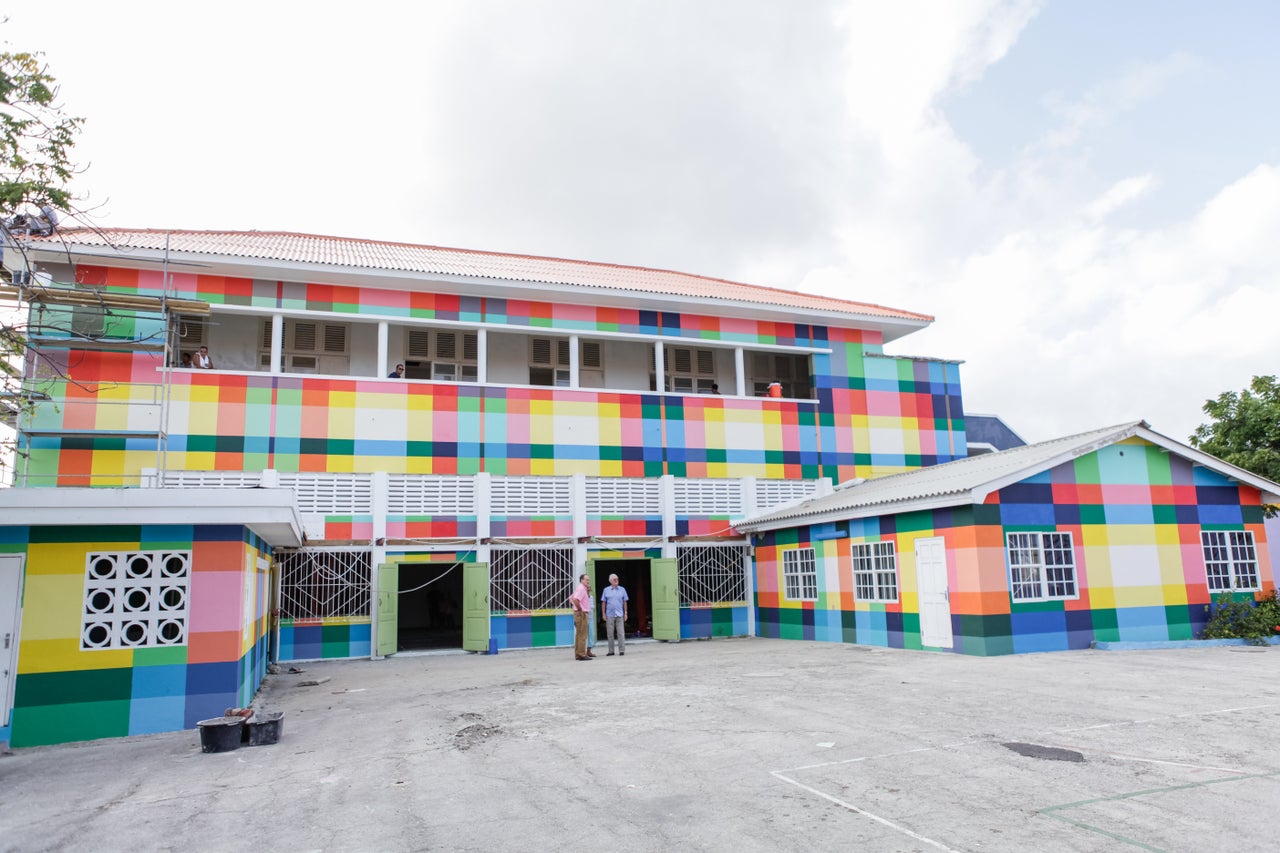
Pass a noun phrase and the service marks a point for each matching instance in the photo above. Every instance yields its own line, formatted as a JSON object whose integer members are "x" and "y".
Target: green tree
{"x": 1245, "y": 429}
{"x": 36, "y": 138}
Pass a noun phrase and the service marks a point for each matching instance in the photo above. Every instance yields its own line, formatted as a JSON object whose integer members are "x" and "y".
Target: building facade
{"x": 463, "y": 432}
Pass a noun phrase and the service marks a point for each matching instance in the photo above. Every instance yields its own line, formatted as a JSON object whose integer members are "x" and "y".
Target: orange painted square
{"x": 213, "y": 647}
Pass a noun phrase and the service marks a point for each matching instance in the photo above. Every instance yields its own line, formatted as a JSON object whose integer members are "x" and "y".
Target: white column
{"x": 750, "y": 504}
{"x": 659, "y": 367}
{"x": 483, "y": 485}
{"x": 277, "y": 342}
{"x": 578, "y": 503}
{"x": 381, "y": 486}
{"x": 667, "y": 496}
{"x": 482, "y": 356}
{"x": 740, "y": 371}
{"x": 749, "y": 566}
{"x": 382, "y": 349}
{"x": 573, "y": 361}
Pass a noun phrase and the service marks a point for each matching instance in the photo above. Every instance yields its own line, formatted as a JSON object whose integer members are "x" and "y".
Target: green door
{"x": 388, "y": 608}
{"x": 475, "y": 607}
{"x": 666, "y": 599}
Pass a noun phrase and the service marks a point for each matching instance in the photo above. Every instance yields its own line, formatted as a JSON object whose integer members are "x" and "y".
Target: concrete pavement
{"x": 743, "y": 744}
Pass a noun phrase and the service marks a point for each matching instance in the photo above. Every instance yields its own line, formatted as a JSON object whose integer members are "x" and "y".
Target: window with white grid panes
{"x": 799, "y": 575}
{"x": 875, "y": 571}
{"x": 317, "y": 584}
{"x": 1042, "y": 566}
{"x": 1230, "y": 561}
{"x": 135, "y": 599}
{"x": 530, "y": 578}
{"x": 711, "y": 574}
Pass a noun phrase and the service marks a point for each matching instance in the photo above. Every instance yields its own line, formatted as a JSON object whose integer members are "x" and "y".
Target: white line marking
{"x": 851, "y": 807}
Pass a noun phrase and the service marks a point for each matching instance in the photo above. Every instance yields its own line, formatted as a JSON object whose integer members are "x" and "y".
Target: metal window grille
{"x": 800, "y": 574}
{"x": 409, "y": 494}
{"x": 708, "y": 497}
{"x": 875, "y": 571}
{"x": 1230, "y": 561}
{"x": 531, "y": 496}
{"x": 135, "y": 599}
{"x": 711, "y": 574}
{"x": 1041, "y": 566}
{"x": 530, "y": 578}
{"x": 315, "y": 584}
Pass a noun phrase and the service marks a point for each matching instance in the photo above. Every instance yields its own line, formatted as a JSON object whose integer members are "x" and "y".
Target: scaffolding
{"x": 66, "y": 322}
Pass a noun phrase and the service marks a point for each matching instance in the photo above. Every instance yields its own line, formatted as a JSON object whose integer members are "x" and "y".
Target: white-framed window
{"x": 1230, "y": 561}
{"x": 135, "y": 599}
{"x": 792, "y": 370}
{"x": 1042, "y": 566}
{"x": 799, "y": 575}
{"x": 441, "y": 354}
{"x": 689, "y": 371}
{"x": 875, "y": 571}
{"x": 549, "y": 363}
{"x": 309, "y": 346}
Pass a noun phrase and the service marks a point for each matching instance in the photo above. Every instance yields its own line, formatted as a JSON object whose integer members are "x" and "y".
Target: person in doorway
{"x": 203, "y": 361}
{"x": 398, "y": 373}
{"x": 581, "y": 602}
{"x": 186, "y": 360}
{"x": 715, "y": 388}
{"x": 614, "y": 599}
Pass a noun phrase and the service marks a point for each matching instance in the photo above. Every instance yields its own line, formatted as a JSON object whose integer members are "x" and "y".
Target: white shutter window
{"x": 562, "y": 353}
{"x": 681, "y": 361}
{"x": 446, "y": 345}
{"x": 706, "y": 362}
{"x": 267, "y": 326}
{"x": 335, "y": 338}
{"x": 539, "y": 351}
{"x": 470, "y": 346}
{"x": 591, "y": 354}
{"x": 304, "y": 337}
{"x": 418, "y": 344}
{"x": 191, "y": 331}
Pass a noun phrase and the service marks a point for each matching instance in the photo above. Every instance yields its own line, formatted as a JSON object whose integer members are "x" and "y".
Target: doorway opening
{"x": 636, "y": 576}
{"x": 430, "y": 606}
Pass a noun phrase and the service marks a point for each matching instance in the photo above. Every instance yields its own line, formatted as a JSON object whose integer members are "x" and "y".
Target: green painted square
{"x": 610, "y": 453}
{"x": 542, "y": 451}
{"x": 335, "y": 641}
{"x": 971, "y": 625}
{"x": 228, "y": 443}
{"x": 1251, "y": 514}
{"x": 543, "y": 630}
{"x": 257, "y": 461}
{"x": 914, "y": 521}
{"x": 76, "y": 533}
{"x": 201, "y": 443}
{"x": 44, "y": 724}
{"x": 469, "y": 404}
{"x": 999, "y": 645}
{"x": 987, "y": 514}
{"x": 790, "y": 632}
{"x": 1086, "y": 468}
{"x": 160, "y": 656}
{"x": 1159, "y": 472}
{"x": 1092, "y": 514}
{"x": 1164, "y": 514}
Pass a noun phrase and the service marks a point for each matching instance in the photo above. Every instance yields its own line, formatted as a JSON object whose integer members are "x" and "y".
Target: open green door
{"x": 597, "y": 612}
{"x": 666, "y": 599}
{"x": 388, "y": 608}
{"x": 475, "y": 607}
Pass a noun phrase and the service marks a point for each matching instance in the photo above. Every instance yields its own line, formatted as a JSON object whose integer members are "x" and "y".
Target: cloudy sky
{"x": 1086, "y": 194}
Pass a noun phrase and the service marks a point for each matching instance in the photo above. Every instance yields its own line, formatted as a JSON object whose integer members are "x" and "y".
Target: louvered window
{"x": 446, "y": 346}
{"x": 418, "y": 344}
{"x": 592, "y": 356}
{"x": 443, "y": 355}
{"x": 309, "y": 346}
{"x": 304, "y": 337}
{"x": 335, "y": 338}
{"x": 690, "y": 370}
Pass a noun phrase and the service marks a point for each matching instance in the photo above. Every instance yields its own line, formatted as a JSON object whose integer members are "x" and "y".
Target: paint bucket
{"x": 220, "y": 734}
{"x": 264, "y": 729}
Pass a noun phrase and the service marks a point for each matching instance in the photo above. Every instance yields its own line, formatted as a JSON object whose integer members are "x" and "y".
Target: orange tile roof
{"x": 408, "y": 257}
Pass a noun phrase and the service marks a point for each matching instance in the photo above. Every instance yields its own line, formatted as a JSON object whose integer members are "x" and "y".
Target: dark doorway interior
{"x": 430, "y": 606}
{"x": 635, "y": 576}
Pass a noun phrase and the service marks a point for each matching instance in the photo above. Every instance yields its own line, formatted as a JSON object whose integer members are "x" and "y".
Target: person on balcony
{"x": 186, "y": 360}
{"x": 203, "y": 361}
{"x": 398, "y": 373}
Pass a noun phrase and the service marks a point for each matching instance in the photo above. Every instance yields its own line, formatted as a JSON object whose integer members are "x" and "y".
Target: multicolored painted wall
{"x": 1135, "y": 513}
{"x": 872, "y": 414}
{"x": 66, "y": 692}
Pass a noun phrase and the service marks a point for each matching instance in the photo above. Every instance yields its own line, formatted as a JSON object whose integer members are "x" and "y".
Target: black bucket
{"x": 265, "y": 729}
{"x": 220, "y": 734}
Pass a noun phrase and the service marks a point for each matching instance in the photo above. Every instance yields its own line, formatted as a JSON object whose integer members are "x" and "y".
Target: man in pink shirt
{"x": 581, "y": 601}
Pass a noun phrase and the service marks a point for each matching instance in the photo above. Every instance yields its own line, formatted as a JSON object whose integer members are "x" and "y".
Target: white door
{"x": 10, "y": 611}
{"x": 935, "y": 598}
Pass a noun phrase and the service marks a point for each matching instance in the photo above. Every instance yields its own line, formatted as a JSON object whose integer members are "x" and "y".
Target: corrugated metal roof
{"x": 406, "y": 257}
{"x": 967, "y": 480}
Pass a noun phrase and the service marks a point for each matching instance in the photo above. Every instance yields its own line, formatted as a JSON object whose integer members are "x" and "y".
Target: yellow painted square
{"x": 52, "y": 607}
{"x": 1175, "y": 593}
{"x": 65, "y": 655}
{"x": 1131, "y": 534}
{"x": 1138, "y": 596}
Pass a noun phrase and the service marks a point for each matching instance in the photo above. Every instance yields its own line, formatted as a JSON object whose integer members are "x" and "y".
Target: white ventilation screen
{"x": 135, "y": 599}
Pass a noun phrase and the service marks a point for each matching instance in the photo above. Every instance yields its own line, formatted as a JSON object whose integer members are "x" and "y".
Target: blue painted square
{"x": 1129, "y": 514}
{"x": 157, "y": 714}
{"x": 155, "y": 681}
{"x": 1039, "y": 642}
{"x": 1138, "y": 624}
{"x": 1026, "y": 515}
{"x": 212, "y": 677}
{"x": 204, "y": 706}
{"x": 1219, "y": 514}
{"x": 1037, "y": 622}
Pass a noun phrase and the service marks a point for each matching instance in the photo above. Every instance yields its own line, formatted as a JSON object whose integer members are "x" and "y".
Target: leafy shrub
{"x": 1244, "y": 619}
